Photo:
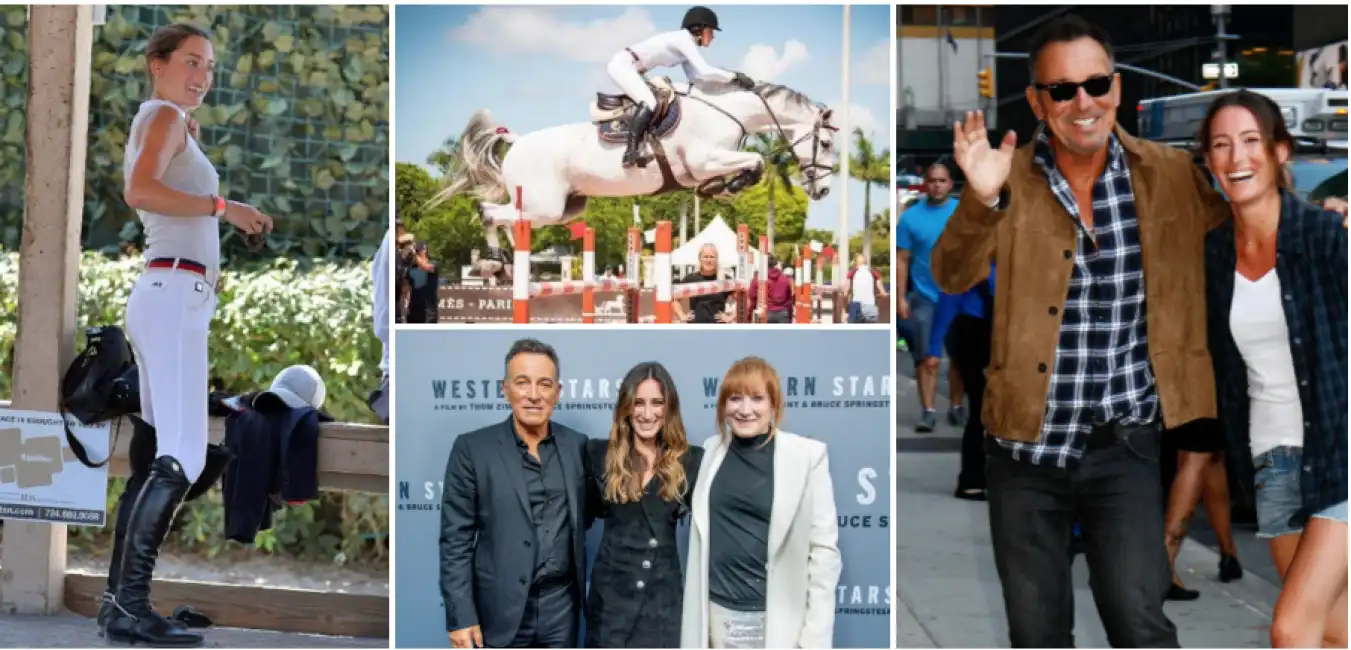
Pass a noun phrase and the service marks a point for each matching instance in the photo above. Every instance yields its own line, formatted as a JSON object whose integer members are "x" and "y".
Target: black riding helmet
{"x": 700, "y": 17}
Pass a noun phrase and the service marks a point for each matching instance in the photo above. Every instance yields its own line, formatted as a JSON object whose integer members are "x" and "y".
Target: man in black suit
{"x": 513, "y": 520}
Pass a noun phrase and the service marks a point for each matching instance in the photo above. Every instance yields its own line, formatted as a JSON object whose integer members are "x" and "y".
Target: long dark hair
{"x": 624, "y": 468}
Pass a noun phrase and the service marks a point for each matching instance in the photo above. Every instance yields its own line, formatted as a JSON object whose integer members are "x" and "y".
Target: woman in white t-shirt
{"x": 1277, "y": 314}
{"x": 175, "y": 190}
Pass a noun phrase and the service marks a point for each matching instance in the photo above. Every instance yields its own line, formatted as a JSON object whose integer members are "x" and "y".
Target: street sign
{"x": 1212, "y": 71}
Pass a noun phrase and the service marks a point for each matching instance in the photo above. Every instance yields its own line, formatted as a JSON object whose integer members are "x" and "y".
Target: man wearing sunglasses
{"x": 1099, "y": 339}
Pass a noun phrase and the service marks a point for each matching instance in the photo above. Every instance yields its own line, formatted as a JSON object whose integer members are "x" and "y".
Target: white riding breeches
{"x": 624, "y": 71}
{"x": 168, "y": 320}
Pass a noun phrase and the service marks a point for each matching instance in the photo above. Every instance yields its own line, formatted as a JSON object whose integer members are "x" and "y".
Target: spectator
{"x": 710, "y": 308}
{"x": 779, "y": 293}
{"x": 864, "y": 290}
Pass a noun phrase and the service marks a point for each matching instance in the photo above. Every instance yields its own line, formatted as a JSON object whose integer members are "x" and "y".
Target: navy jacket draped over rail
{"x": 276, "y": 450}
{"x": 1311, "y": 264}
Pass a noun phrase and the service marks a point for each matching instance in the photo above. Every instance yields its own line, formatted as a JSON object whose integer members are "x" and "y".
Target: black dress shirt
{"x": 547, "y": 493}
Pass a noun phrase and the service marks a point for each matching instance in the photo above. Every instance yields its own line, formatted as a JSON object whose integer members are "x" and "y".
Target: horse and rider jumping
{"x": 695, "y": 135}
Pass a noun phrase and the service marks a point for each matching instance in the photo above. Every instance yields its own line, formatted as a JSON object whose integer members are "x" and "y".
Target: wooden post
{"x": 60, "y": 39}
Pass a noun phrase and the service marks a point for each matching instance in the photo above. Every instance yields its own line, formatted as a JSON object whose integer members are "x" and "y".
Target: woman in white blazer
{"x": 763, "y": 561}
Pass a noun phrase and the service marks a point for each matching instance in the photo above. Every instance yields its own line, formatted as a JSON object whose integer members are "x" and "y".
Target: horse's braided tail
{"x": 478, "y": 163}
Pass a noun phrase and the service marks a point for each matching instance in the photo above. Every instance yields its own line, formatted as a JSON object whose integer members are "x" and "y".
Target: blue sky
{"x": 539, "y": 66}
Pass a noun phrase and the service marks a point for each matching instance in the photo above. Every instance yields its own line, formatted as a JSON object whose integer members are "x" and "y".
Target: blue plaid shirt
{"x": 1101, "y": 371}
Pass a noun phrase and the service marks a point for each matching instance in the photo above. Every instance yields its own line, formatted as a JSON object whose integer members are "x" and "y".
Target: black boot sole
{"x": 142, "y": 643}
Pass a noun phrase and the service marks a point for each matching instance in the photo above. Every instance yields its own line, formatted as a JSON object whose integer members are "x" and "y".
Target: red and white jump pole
{"x": 523, "y": 289}
{"x": 520, "y": 272}
{"x": 588, "y": 272}
{"x": 661, "y": 273}
{"x": 802, "y": 313}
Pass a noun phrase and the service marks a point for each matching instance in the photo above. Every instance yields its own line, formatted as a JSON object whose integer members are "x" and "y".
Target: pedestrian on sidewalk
{"x": 916, "y": 235}
{"x": 1201, "y": 474}
{"x": 1277, "y": 299}
{"x": 962, "y": 324}
{"x": 1089, "y": 226}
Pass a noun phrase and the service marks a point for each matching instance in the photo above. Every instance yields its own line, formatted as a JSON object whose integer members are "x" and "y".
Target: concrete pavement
{"x": 947, "y": 589}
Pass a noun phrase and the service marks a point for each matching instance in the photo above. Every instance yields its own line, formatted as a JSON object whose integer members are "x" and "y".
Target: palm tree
{"x": 872, "y": 168}
{"x": 778, "y": 162}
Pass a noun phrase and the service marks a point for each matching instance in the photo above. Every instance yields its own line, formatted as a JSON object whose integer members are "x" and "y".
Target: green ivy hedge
{"x": 266, "y": 320}
{"x": 297, "y": 123}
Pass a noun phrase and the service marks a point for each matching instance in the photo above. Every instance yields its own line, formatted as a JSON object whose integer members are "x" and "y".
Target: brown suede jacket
{"x": 1032, "y": 242}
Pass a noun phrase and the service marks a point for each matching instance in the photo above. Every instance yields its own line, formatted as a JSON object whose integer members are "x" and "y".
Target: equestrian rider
{"x": 668, "y": 49}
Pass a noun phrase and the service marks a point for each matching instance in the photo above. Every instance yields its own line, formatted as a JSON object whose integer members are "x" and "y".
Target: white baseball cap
{"x": 299, "y": 386}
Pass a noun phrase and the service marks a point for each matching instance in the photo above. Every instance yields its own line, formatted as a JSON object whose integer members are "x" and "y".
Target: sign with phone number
{"x": 40, "y": 477}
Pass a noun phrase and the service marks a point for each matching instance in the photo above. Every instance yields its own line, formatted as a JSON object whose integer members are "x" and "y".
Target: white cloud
{"x": 542, "y": 30}
{"x": 859, "y": 118}
{"x": 874, "y": 67}
{"x": 762, "y": 63}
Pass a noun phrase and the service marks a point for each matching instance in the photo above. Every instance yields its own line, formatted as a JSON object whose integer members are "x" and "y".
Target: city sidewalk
{"x": 947, "y": 589}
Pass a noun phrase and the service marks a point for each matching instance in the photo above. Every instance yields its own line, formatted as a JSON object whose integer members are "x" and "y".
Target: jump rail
{"x": 523, "y": 290}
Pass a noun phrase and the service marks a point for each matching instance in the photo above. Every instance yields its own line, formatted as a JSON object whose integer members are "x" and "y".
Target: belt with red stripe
{"x": 177, "y": 263}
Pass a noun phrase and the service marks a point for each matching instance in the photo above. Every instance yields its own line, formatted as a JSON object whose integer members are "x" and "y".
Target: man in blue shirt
{"x": 916, "y": 235}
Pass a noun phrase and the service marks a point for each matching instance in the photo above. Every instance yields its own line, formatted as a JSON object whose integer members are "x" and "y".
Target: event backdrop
{"x": 837, "y": 387}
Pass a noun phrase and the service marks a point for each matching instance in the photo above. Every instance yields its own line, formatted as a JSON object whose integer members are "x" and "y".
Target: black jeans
{"x": 1114, "y": 495}
{"x": 550, "y": 617}
{"x": 968, "y": 345}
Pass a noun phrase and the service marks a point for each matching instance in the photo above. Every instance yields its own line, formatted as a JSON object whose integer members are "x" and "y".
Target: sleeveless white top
{"x": 1257, "y": 321}
{"x": 193, "y": 238}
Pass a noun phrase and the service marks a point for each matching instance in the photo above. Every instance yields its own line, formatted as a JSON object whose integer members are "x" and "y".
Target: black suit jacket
{"x": 638, "y": 546}
{"x": 487, "y": 537}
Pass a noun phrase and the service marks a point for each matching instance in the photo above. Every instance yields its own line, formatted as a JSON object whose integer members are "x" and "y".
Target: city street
{"x": 947, "y": 588}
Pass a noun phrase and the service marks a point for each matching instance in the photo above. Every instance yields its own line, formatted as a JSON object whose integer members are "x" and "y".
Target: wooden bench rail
{"x": 351, "y": 456}
{"x": 247, "y": 606}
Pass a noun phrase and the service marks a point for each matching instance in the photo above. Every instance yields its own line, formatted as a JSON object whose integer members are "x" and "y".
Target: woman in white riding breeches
{"x": 175, "y": 190}
{"x": 668, "y": 49}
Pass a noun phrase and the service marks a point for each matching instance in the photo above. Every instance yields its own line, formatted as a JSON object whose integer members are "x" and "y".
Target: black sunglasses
{"x": 1067, "y": 90}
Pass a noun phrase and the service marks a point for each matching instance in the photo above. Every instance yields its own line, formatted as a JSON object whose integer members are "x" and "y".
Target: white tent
{"x": 718, "y": 233}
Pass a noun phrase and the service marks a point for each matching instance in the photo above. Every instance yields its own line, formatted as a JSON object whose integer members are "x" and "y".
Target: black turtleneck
{"x": 739, "y": 504}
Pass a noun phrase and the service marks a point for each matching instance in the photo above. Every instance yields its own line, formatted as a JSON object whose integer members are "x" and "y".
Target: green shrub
{"x": 297, "y": 123}
{"x": 265, "y": 320}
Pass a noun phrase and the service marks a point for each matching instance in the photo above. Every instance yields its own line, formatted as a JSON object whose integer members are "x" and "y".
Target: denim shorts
{"x": 1278, "y": 493}
{"x": 1334, "y": 513}
{"x": 921, "y": 326}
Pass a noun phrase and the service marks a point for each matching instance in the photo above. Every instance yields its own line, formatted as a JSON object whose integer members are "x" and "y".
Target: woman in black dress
{"x": 638, "y": 483}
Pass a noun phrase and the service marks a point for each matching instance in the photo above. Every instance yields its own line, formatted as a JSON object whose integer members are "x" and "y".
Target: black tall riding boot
{"x": 637, "y": 129}
{"x": 136, "y": 623}
{"x": 107, "y": 607}
{"x": 141, "y": 455}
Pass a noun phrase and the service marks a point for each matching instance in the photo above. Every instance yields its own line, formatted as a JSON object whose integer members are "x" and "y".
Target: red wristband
{"x": 219, "y": 203}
